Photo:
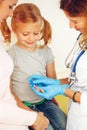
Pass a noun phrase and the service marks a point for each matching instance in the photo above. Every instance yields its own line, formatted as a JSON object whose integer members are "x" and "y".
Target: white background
{"x": 63, "y": 37}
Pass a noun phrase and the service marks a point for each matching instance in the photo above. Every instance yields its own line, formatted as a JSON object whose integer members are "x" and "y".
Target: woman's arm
{"x": 41, "y": 122}
{"x": 19, "y": 102}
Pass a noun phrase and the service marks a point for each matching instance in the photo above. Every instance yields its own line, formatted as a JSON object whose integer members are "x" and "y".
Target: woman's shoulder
{"x": 11, "y": 50}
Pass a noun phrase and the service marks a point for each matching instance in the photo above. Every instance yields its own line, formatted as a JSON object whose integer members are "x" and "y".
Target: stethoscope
{"x": 69, "y": 60}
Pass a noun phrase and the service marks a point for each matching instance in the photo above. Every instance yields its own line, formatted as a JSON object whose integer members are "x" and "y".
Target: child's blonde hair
{"x": 29, "y": 12}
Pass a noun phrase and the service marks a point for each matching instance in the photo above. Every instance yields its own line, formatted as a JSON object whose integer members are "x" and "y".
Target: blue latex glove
{"x": 49, "y": 91}
{"x": 40, "y": 80}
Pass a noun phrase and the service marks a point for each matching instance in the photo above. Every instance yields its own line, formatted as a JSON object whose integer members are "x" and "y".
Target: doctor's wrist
{"x": 76, "y": 96}
{"x": 69, "y": 93}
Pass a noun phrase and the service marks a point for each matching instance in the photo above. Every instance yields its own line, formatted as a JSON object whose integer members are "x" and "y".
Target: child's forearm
{"x": 64, "y": 81}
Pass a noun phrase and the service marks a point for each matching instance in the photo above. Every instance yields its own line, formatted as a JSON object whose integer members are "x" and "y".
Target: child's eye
{"x": 36, "y": 33}
{"x": 25, "y": 34}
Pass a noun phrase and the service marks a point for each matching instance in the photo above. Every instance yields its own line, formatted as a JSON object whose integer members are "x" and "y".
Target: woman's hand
{"x": 43, "y": 80}
{"x": 41, "y": 122}
{"x": 49, "y": 91}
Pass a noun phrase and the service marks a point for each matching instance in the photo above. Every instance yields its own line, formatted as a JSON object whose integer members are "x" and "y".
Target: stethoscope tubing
{"x": 66, "y": 60}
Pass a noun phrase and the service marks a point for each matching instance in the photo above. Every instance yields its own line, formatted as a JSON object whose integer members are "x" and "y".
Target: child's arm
{"x": 64, "y": 81}
{"x": 51, "y": 73}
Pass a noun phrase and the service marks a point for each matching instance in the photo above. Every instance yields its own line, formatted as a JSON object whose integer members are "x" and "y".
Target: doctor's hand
{"x": 50, "y": 91}
{"x": 43, "y": 80}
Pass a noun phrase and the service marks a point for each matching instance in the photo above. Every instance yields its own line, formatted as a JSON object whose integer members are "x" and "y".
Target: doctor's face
{"x": 6, "y": 8}
{"x": 79, "y": 23}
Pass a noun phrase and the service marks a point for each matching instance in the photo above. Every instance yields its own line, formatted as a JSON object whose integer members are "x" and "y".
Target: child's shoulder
{"x": 45, "y": 48}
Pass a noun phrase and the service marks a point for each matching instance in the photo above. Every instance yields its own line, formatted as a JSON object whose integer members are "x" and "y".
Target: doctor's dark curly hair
{"x": 74, "y": 7}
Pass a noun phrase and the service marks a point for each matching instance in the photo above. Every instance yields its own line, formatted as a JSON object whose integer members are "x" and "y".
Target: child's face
{"x": 28, "y": 34}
